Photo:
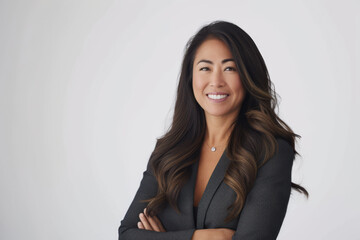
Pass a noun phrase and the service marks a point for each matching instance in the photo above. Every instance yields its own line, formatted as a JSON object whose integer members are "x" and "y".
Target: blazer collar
{"x": 214, "y": 182}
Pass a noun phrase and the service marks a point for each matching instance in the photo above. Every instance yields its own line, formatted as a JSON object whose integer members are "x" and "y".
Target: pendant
{"x": 213, "y": 149}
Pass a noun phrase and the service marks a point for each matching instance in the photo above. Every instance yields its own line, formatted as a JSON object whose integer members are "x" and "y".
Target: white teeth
{"x": 217, "y": 96}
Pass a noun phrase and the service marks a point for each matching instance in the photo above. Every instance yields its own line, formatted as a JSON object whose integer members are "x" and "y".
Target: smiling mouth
{"x": 217, "y": 96}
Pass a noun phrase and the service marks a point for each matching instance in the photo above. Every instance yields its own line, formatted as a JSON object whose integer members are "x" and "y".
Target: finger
{"x": 152, "y": 222}
{"x": 140, "y": 225}
{"x": 145, "y": 222}
{"x": 157, "y": 220}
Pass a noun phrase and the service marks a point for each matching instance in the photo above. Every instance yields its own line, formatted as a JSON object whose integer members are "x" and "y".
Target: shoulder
{"x": 284, "y": 149}
{"x": 282, "y": 159}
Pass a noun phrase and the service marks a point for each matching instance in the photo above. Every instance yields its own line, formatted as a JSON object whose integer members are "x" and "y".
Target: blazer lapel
{"x": 216, "y": 178}
{"x": 187, "y": 197}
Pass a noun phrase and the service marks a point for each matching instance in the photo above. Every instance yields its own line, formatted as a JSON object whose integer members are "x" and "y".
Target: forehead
{"x": 212, "y": 49}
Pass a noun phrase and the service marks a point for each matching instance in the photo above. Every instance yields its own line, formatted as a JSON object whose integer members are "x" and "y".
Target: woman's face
{"x": 216, "y": 81}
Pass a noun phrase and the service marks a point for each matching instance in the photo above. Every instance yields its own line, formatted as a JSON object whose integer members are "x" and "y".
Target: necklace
{"x": 213, "y": 148}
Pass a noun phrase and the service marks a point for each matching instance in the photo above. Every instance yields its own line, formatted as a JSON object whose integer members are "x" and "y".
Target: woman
{"x": 223, "y": 169}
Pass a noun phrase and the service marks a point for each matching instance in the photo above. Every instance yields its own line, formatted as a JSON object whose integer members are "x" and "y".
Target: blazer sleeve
{"x": 266, "y": 204}
{"x": 128, "y": 229}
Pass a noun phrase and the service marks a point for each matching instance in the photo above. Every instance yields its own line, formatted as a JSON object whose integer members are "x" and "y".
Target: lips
{"x": 217, "y": 96}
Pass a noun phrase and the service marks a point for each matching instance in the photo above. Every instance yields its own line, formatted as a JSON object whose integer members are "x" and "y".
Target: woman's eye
{"x": 204, "y": 68}
{"x": 231, "y": 68}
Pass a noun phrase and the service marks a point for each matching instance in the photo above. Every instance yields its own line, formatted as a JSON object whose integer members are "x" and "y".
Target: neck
{"x": 218, "y": 130}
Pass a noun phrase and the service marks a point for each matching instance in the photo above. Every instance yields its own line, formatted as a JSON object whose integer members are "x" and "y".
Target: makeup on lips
{"x": 217, "y": 96}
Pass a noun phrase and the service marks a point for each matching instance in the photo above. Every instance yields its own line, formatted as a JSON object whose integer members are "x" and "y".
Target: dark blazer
{"x": 260, "y": 218}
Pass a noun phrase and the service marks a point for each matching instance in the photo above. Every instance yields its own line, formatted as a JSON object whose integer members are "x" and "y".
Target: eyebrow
{"x": 208, "y": 61}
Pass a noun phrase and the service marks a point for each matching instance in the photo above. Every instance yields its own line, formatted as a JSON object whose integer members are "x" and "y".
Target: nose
{"x": 217, "y": 78}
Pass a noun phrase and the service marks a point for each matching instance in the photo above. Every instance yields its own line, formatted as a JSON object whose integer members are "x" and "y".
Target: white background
{"x": 87, "y": 86}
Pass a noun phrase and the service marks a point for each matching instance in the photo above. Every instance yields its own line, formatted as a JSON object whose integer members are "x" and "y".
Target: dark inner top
{"x": 195, "y": 214}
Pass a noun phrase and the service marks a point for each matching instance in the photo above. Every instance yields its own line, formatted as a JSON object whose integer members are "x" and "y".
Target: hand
{"x": 228, "y": 233}
{"x": 150, "y": 223}
{"x": 213, "y": 234}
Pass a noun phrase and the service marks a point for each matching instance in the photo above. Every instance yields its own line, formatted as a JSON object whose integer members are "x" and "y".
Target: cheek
{"x": 238, "y": 89}
{"x": 237, "y": 85}
{"x": 198, "y": 85}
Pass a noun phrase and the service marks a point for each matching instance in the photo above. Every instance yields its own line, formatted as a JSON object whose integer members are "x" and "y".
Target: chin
{"x": 217, "y": 114}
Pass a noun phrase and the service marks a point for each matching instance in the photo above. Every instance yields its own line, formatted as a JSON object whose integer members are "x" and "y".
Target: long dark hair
{"x": 253, "y": 136}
